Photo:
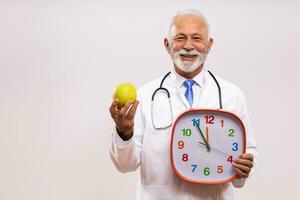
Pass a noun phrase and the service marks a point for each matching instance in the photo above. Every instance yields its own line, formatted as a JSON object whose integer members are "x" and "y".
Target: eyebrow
{"x": 197, "y": 34}
{"x": 194, "y": 34}
{"x": 180, "y": 34}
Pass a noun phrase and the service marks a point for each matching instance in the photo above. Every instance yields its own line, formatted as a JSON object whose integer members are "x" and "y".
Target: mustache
{"x": 192, "y": 52}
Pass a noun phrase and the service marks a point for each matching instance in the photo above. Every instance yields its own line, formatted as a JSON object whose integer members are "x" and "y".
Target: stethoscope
{"x": 165, "y": 90}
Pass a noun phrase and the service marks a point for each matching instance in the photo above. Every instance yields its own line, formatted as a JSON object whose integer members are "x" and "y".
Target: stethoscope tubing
{"x": 168, "y": 93}
{"x": 161, "y": 88}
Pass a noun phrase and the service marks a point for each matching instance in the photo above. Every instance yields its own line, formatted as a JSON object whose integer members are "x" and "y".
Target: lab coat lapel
{"x": 183, "y": 99}
{"x": 197, "y": 100}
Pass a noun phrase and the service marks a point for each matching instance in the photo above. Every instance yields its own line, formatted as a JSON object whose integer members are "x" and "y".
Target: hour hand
{"x": 203, "y": 138}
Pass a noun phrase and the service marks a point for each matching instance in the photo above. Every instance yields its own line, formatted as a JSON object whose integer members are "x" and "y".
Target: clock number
{"x": 196, "y": 122}
{"x": 231, "y": 132}
{"x": 194, "y": 167}
{"x": 235, "y": 146}
{"x": 186, "y": 132}
{"x": 209, "y": 119}
{"x": 180, "y": 144}
{"x": 222, "y": 123}
{"x": 185, "y": 157}
{"x": 206, "y": 171}
{"x": 230, "y": 159}
{"x": 220, "y": 169}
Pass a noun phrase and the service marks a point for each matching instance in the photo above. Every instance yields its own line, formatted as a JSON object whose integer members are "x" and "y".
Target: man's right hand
{"x": 124, "y": 118}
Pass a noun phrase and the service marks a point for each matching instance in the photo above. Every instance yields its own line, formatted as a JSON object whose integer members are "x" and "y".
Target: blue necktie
{"x": 189, "y": 90}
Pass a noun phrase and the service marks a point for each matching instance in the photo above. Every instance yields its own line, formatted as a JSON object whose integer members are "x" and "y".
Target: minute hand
{"x": 203, "y": 138}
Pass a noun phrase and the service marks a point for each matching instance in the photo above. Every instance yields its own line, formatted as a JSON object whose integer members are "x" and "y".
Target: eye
{"x": 180, "y": 38}
{"x": 197, "y": 38}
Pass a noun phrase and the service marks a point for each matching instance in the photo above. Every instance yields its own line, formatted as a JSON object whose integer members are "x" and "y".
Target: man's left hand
{"x": 243, "y": 165}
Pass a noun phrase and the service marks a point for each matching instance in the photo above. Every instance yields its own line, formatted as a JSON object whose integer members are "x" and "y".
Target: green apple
{"x": 124, "y": 92}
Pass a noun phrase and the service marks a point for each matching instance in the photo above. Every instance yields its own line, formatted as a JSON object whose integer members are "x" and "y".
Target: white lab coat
{"x": 149, "y": 148}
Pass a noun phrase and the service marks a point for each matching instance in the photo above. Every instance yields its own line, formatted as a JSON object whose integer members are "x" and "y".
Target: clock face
{"x": 204, "y": 143}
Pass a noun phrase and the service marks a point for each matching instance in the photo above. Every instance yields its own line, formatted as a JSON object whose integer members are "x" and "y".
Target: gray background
{"x": 59, "y": 63}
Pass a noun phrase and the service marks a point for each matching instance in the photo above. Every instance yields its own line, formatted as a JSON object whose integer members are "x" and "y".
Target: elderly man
{"x": 136, "y": 142}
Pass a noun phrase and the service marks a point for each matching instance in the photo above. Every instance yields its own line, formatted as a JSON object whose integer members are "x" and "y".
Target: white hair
{"x": 187, "y": 12}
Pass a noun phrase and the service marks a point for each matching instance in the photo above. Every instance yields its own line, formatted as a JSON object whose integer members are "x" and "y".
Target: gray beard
{"x": 188, "y": 66}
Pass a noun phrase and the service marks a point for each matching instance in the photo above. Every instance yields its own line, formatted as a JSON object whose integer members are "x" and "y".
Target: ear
{"x": 167, "y": 45}
{"x": 210, "y": 43}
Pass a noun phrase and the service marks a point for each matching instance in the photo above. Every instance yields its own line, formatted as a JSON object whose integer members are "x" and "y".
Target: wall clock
{"x": 204, "y": 143}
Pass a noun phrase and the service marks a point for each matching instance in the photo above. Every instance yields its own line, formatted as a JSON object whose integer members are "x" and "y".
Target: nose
{"x": 188, "y": 45}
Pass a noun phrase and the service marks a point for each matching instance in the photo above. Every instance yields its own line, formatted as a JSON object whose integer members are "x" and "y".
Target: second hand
{"x": 214, "y": 149}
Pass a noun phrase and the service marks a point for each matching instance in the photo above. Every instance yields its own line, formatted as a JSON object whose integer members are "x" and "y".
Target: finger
{"x": 241, "y": 174}
{"x": 113, "y": 108}
{"x": 125, "y": 108}
{"x": 244, "y": 162}
{"x": 242, "y": 167}
{"x": 132, "y": 110}
{"x": 247, "y": 156}
{"x": 238, "y": 175}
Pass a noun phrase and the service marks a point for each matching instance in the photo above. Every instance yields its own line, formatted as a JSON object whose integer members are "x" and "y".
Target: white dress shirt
{"x": 148, "y": 149}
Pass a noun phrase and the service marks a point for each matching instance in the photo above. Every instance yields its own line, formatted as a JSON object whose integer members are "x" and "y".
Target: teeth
{"x": 187, "y": 55}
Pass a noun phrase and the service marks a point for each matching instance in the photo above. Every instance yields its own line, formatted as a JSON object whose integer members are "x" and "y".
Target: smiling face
{"x": 188, "y": 44}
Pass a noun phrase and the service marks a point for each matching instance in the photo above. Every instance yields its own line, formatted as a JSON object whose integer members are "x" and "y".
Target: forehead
{"x": 189, "y": 24}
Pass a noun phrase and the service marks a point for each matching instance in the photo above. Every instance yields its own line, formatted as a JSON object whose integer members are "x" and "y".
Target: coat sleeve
{"x": 126, "y": 155}
{"x": 241, "y": 109}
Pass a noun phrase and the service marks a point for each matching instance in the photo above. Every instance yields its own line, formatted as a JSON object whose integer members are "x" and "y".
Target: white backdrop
{"x": 59, "y": 63}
